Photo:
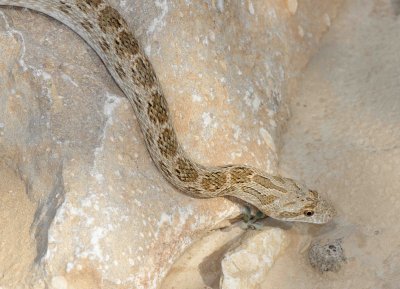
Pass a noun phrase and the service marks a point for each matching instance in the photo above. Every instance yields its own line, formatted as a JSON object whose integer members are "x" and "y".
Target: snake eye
{"x": 308, "y": 213}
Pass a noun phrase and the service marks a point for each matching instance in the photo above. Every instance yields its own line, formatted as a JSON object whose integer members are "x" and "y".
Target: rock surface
{"x": 247, "y": 265}
{"x": 82, "y": 206}
{"x": 344, "y": 139}
{"x": 327, "y": 256}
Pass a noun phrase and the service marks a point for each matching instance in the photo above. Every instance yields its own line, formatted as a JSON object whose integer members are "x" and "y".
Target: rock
{"x": 327, "y": 256}
{"x": 292, "y": 6}
{"x": 83, "y": 198}
{"x": 59, "y": 282}
{"x": 200, "y": 265}
{"x": 247, "y": 265}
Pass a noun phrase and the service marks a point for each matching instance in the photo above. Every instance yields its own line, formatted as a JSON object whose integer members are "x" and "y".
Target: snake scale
{"x": 105, "y": 30}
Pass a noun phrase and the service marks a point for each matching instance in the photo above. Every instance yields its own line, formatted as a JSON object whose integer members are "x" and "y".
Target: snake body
{"x": 105, "y": 30}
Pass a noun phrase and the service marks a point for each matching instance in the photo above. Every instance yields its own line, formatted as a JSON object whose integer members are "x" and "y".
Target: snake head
{"x": 302, "y": 205}
{"x": 317, "y": 212}
{"x": 287, "y": 200}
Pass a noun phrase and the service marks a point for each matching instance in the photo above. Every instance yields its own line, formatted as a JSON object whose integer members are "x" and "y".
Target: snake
{"x": 106, "y": 31}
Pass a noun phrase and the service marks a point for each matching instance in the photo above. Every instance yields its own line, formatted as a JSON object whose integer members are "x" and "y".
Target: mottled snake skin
{"x": 108, "y": 34}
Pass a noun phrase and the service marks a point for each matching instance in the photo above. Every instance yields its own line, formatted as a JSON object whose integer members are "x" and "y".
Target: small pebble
{"x": 328, "y": 256}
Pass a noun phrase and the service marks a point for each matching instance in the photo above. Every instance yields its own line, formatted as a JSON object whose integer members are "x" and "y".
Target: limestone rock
{"x": 247, "y": 265}
{"x": 81, "y": 202}
{"x": 200, "y": 266}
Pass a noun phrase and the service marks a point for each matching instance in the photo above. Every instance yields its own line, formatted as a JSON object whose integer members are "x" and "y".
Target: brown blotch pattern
{"x": 195, "y": 192}
{"x": 264, "y": 199}
{"x": 252, "y": 192}
{"x": 286, "y": 214}
{"x": 269, "y": 199}
{"x": 104, "y": 45}
{"x": 309, "y": 207}
{"x": 126, "y": 44}
{"x": 314, "y": 194}
{"x": 65, "y": 7}
{"x": 167, "y": 143}
{"x": 87, "y": 5}
{"x": 240, "y": 175}
{"x": 157, "y": 109}
{"x": 227, "y": 191}
{"x": 110, "y": 20}
{"x": 87, "y": 25}
{"x": 213, "y": 181}
{"x": 143, "y": 73}
{"x": 279, "y": 179}
{"x": 267, "y": 183}
{"x": 185, "y": 171}
{"x": 290, "y": 203}
{"x": 120, "y": 71}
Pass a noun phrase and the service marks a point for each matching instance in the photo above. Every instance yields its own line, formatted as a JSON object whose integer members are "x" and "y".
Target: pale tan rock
{"x": 200, "y": 266}
{"x": 59, "y": 282}
{"x": 292, "y": 6}
{"x": 89, "y": 204}
{"x": 327, "y": 20}
{"x": 300, "y": 31}
{"x": 247, "y": 265}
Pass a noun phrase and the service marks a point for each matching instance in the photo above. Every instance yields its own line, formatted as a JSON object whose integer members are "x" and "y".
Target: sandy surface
{"x": 344, "y": 140}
